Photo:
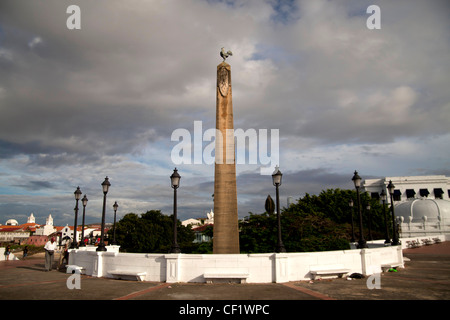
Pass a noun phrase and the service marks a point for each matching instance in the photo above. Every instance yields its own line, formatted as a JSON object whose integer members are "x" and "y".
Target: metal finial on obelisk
{"x": 226, "y": 227}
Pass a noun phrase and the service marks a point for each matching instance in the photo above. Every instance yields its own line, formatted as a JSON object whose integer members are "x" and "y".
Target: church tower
{"x": 31, "y": 219}
{"x": 49, "y": 220}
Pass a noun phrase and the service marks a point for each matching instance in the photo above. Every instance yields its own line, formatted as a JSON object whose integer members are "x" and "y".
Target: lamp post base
{"x": 362, "y": 244}
{"x": 175, "y": 249}
{"x": 280, "y": 248}
{"x": 101, "y": 247}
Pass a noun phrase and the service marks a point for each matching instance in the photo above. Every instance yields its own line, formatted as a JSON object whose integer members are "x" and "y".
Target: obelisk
{"x": 226, "y": 229}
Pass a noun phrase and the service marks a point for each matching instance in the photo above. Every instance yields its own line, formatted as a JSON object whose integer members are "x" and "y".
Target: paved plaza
{"x": 426, "y": 276}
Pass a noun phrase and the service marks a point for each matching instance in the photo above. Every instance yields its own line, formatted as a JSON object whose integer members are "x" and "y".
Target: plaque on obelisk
{"x": 226, "y": 229}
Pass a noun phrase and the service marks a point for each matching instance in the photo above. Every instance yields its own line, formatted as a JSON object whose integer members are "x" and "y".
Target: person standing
{"x": 25, "y": 252}
{"x": 50, "y": 248}
{"x": 7, "y": 252}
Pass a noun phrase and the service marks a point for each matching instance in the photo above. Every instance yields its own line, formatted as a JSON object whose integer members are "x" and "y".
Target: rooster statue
{"x": 224, "y": 54}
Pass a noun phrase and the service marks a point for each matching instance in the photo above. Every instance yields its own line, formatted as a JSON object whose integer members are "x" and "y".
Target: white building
{"x": 192, "y": 222}
{"x": 410, "y": 187}
{"x": 199, "y": 222}
{"x": 67, "y": 232}
{"x": 31, "y": 218}
{"x": 47, "y": 228}
{"x": 421, "y": 203}
{"x": 11, "y": 222}
{"x": 12, "y": 231}
{"x": 199, "y": 226}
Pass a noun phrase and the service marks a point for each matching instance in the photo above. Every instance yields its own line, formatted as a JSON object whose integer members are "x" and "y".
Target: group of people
{"x": 50, "y": 248}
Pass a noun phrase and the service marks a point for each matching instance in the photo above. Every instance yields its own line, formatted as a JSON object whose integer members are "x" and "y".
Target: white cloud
{"x": 34, "y": 42}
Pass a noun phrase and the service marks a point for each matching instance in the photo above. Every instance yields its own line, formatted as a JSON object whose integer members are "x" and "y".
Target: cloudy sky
{"x": 104, "y": 100}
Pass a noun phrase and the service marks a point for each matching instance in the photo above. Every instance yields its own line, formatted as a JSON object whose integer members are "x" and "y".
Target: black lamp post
{"x": 370, "y": 221}
{"x": 386, "y": 231}
{"x": 357, "y": 182}
{"x": 105, "y": 185}
{"x": 74, "y": 244}
{"x": 395, "y": 240}
{"x": 115, "y": 206}
{"x": 84, "y": 201}
{"x": 175, "y": 182}
{"x": 350, "y": 204}
{"x": 276, "y": 179}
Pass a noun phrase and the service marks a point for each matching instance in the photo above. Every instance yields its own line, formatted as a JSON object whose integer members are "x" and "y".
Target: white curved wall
{"x": 262, "y": 268}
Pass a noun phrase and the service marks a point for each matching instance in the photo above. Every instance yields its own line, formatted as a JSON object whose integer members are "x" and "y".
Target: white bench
{"x": 332, "y": 270}
{"x": 128, "y": 275}
{"x": 71, "y": 268}
{"x": 227, "y": 276}
{"x": 412, "y": 244}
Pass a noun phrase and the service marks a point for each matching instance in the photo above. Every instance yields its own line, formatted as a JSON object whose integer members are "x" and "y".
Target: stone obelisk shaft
{"x": 226, "y": 229}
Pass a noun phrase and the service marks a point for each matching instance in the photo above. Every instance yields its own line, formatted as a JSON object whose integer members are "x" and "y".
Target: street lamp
{"x": 105, "y": 185}
{"x": 357, "y": 182}
{"x": 175, "y": 182}
{"x": 391, "y": 188}
{"x": 276, "y": 179}
{"x": 370, "y": 222}
{"x": 350, "y": 204}
{"x": 115, "y": 206}
{"x": 77, "y": 194}
{"x": 84, "y": 201}
{"x": 386, "y": 231}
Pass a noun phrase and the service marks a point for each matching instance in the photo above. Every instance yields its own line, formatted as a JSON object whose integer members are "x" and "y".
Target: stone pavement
{"x": 425, "y": 277}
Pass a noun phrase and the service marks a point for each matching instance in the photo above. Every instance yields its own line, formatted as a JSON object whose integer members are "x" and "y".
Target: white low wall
{"x": 262, "y": 268}
{"x": 2, "y": 255}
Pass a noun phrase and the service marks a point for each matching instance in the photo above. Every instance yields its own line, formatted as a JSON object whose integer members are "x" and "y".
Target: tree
{"x": 315, "y": 223}
{"x": 258, "y": 233}
{"x": 151, "y": 232}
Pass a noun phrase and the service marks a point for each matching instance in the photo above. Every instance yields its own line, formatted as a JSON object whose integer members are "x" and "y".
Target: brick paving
{"x": 425, "y": 277}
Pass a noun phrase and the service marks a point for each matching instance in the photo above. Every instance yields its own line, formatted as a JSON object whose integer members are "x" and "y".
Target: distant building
{"x": 37, "y": 240}
{"x": 199, "y": 233}
{"x": 89, "y": 232}
{"x": 199, "y": 226}
{"x": 410, "y": 187}
{"x": 47, "y": 228}
{"x": 13, "y": 232}
{"x": 421, "y": 203}
{"x": 201, "y": 221}
{"x": 423, "y": 217}
{"x": 31, "y": 219}
{"x": 11, "y": 222}
{"x": 191, "y": 222}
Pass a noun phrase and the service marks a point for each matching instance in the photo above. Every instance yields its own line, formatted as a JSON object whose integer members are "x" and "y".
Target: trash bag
{"x": 356, "y": 276}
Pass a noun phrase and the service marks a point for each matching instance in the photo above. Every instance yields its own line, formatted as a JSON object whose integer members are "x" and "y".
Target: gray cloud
{"x": 77, "y": 105}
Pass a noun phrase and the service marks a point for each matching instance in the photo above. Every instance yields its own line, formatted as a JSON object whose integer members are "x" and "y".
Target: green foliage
{"x": 314, "y": 223}
{"x": 151, "y": 232}
{"x": 258, "y": 233}
{"x": 204, "y": 248}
